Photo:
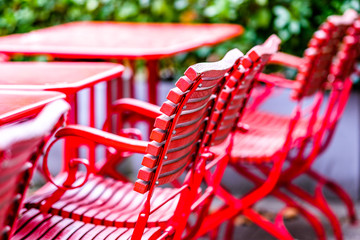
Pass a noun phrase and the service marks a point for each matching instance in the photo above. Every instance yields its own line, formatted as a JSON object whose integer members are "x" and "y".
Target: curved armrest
{"x": 105, "y": 138}
{"x": 286, "y": 59}
{"x": 278, "y": 81}
{"x": 136, "y": 106}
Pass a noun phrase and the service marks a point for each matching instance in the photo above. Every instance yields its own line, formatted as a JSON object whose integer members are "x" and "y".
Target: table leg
{"x": 92, "y": 122}
{"x": 109, "y": 100}
{"x": 132, "y": 79}
{"x": 153, "y": 79}
{"x": 69, "y": 150}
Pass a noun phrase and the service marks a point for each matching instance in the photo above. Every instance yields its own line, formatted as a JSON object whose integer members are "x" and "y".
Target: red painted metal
{"x": 115, "y": 40}
{"x": 110, "y": 203}
{"x": 324, "y": 67}
{"x": 68, "y": 78}
{"x": 230, "y": 143}
{"x": 21, "y": 145}
{"x": 17, "y": 105}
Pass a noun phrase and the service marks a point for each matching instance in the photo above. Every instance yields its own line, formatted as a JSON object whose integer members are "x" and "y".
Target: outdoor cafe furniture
{"x": 24, "y": 132}
{"x": 325, "y": 67}
{"x": 107, "y": 208}
{"x": 67, "y": 77}
{"x": 117, "y": 41}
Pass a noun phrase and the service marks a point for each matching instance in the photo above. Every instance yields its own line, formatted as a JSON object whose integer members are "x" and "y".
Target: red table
{"x": 66, "y": 77}
{"x": 16, "y": 105}
{"x": 114, "y": 40}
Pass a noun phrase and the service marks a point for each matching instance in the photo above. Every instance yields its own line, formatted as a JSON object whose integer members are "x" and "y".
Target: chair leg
{"x": 314, "y": 222}
{"x": 337, "y": 190}
{"x": 229, "y": 232}
{"x": 319, "y": 202}
{"x": 214, "y": 234}
{"x": 276, "y": 229}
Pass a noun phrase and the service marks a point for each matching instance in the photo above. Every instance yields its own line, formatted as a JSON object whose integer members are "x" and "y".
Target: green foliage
{"x": 293, "y": 20}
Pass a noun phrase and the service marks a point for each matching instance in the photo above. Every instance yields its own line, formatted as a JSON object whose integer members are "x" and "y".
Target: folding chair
{"x": 312, "y": 132}
{"x": 236, "y": 143}
{"x": 86, "y": 205}
{"x": 20, "y": 146}
{"x": 339, "y": 84}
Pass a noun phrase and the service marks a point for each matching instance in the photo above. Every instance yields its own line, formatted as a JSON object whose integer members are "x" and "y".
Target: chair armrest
{"x": 139, "y": 107}
{"x": 278, "y": 81}
{"x": 286, "y": 59}
{"x": 102, "y": 137}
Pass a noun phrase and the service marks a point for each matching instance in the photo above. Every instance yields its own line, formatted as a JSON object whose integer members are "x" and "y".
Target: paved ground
{"x": 297, "y": 226}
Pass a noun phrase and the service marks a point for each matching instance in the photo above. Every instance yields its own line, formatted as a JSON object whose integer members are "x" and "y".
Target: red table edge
{"x": 25, "y": 50}
{"x": 28, "y": 110}
{"x": 71, "y": 87}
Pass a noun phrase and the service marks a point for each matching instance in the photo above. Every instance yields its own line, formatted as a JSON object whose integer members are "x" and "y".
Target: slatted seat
{"x": 178, "y": 144}
{"x": 259, "y": 142}
{"x": 33, "y": 224}
{"x": 105, "y": 201}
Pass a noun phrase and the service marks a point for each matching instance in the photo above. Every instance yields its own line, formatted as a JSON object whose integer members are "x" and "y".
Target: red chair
{"x": 20, "y": 145}
{"x": 86, "y": 205}
{"x": 339, "y": 84}
{"x": 238, "y": 143}
{"x": 314, "y": 129}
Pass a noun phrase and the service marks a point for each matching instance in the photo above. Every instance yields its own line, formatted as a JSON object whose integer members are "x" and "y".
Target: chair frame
{"x": 189, "y": 190}
{"x": 339, "y": 83}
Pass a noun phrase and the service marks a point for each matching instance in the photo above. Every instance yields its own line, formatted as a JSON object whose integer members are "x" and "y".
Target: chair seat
{"x": 254, "y": 146}
{"x": 105, "y": 201}
{"x": 266, "y": 136}
{"x": 33, "y": 224}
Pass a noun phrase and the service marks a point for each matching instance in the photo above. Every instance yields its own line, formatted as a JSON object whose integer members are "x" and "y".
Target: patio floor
{"x": 296, "y": 225}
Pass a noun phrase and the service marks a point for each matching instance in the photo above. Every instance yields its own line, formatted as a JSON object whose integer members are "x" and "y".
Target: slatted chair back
{"x": 20, "y": 146}
{"x": 340, "y": 82}
{"x": 238, "y": 87}
{"x": 318, "y": 57}
{"x": 180, "y": 132}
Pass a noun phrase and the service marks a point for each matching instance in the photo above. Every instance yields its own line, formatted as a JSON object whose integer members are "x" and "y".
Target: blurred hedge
{"x": 293, "y": 20}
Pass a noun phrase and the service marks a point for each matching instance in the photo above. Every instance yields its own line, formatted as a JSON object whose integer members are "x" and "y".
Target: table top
{"x": 89, "y": 39}
{"x": 66, "y": 77}
{"x": 15, "y": 105}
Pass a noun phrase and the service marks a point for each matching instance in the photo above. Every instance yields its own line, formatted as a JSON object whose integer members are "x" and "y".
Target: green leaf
{"x": 91, "y": 5}
{"x": 261, "y": 2}
{"x": 282, "y": 16}
{"x": 294, "y": 27}
{"x": 128, "y": 9}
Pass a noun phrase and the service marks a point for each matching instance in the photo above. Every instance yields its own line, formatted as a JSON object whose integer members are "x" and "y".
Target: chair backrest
{"x": 340, "y": 81}
{"x": 20, "y": 146}
{"x": 321, "y": 50}
{"x": 238, "y": 87}
{"x": 180, "y": 132}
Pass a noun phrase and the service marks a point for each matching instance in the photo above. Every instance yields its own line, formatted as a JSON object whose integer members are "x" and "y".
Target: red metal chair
{"x": 339, "y": 84}
{"x": 107, "y": 208}
{"x": 237, "y": 143}
{"x": 20, "y": 146}
{"x": 314, "y": 129}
